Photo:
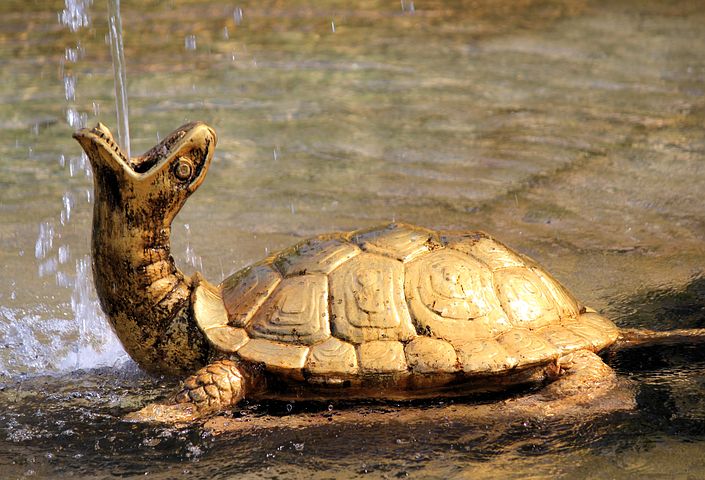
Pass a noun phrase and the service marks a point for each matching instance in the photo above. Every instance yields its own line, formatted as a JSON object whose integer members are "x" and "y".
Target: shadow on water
{"x": 664, "y": 308}
{"x": 69, "y": 425}
{"x": 671, "y": 382}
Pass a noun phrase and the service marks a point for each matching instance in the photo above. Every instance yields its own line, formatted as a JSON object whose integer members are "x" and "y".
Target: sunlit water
{"x": 572, "y": 131}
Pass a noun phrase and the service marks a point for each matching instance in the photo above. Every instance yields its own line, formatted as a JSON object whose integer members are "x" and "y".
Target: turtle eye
{"x": 183, "y": 169}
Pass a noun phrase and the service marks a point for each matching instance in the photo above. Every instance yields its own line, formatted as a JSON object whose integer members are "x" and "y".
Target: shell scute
{"x": 226, "y": 338}
{"x": 451, "y": 296}
{"x": 399, "y": 241}
{"x": 332, "y": 357}
{"x": 276, "y": 356}
{"x": 318, "y": 255}
{"x": 381, "y": 357}
{"x": 207, "y": 304}
{"x": 524, "y": 298}
{"x": 597, "y": 331}
{"x": 562, "y": 338}
{"x": 367, "y": 300}
{"x": 431, "y": 355}
{"x": 528, "y": 348}
{"x": 485, "y": 248}
{"x": 296, "y": 312}
{"x": 244, "y": 292}
{"x": 483, "y": 357}
{"x": 564, "y": 301}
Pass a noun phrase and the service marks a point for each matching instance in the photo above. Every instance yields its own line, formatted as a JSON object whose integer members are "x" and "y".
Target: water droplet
{"x": 67, "y": 203}
{"x": 193, "y": 450}
{"x": 70, "y": 87}
{"x": 75, "y": 14}
{"x": 407, "y": 6}
{"x": 237, "y": 15}
{"x": 289, "y": 407}
{"x": 75, "y": 119}
{"x": 48, "y": 267}
{"x": 64, "y": 280}
{"x": 64, "y": 254}
{"x": 190, "y": 42}
{"x": 45, "y": 240}
{"x": 71, "y": 54}
{"x": 191, "y": 258}
{"x": 74, "y": 54}
{"x": 299, "y": 447}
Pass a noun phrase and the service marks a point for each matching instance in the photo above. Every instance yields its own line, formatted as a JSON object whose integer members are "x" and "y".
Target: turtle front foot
{"x": 211, "y": 389}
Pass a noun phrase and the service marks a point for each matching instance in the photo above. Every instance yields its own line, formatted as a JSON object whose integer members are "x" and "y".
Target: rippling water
{"x": 571, "y": 130}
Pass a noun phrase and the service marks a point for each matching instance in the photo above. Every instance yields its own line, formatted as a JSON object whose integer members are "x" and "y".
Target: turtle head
{"x": 144, "y": 295}
{"x": 154, "y": 185}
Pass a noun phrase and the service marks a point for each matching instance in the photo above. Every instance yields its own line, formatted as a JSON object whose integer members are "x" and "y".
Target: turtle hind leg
{"x": 211, "y": 389}
{"x": 583, "y": 385}
{"x": 579, "y": 374}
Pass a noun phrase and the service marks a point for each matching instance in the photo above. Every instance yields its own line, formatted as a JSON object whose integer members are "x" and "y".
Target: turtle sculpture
{"x": 386, "y": 313}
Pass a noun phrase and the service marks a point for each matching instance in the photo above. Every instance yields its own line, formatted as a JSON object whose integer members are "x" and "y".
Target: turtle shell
{"x": 396, "y": 300}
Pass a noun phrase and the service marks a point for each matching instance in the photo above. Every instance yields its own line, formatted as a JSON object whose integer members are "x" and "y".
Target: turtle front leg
{"x": 213, "y": 388}
{"x": 582, "y": 385}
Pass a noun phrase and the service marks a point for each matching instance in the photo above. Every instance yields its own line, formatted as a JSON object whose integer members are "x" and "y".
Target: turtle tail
{"x": 635, "y": 337}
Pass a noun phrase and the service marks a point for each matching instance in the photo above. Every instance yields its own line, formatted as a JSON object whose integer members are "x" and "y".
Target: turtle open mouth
{"x": 162, "y": 150}
{"x": 143, "y": 163}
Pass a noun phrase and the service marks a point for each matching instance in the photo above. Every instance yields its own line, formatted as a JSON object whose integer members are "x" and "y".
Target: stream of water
{"x": 117, "y": 53}
{"x": 573, "y": 131}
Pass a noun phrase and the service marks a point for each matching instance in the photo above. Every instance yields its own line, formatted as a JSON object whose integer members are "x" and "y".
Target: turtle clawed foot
{"x": 211, "y": 389}
{"x": 164, "y": 413}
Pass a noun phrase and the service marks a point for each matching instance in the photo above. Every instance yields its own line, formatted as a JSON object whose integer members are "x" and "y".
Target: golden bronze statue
{"x": 395, "y": 312}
